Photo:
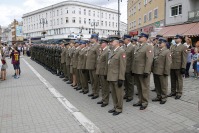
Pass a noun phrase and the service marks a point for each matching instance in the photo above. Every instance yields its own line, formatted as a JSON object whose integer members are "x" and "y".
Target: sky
{"x": 14, "y": 9}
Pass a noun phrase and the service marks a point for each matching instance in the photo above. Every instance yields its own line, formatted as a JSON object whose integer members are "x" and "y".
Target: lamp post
{"x": 43, "y": 21}
{"x": 118, "y": 32}
{"x": 94, "y": 24}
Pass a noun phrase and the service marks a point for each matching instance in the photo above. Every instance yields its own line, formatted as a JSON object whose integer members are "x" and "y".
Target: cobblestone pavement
{"x": 176, "y": 116}
{"x": 26, "y": 106}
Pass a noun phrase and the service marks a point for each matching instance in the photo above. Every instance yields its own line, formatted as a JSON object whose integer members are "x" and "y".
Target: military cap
{"x": 63, "y": 42}
{"x": 126, "y": 36}
{"x": 158, "y": 36}
{"x": 83, "y": 42}
{"x": 94, "y": 36}
{"x": 112, "y": 38}
{"x": 161, "y": 39}
{"x": 179, "y": 36}
{"x": 77, "y": 41}
{"x": 134, "y": 39}
{"x": 143, "y": 35}
{"x": 121, "y": 41}
{"x": 103, "y": 40}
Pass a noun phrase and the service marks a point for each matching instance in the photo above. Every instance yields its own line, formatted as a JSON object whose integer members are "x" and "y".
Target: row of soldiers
{"x": 117, "y": 64}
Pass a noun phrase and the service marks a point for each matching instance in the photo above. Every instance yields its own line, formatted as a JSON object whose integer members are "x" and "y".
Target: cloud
{"x": 16, "y": 11}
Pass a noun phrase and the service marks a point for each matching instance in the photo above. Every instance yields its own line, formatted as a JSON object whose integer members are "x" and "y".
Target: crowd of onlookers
{"x": 14, "y": 53}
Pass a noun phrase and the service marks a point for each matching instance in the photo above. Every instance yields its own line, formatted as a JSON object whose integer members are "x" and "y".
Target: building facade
{"x": 70, "y": 18}
{"x": 181, "y": 11}
{"x": 145, "y": 16}
{"x": 123, "y": 28}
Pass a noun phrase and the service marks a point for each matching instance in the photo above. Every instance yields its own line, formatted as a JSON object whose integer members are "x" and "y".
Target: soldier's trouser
{"x": 129, "y": 85}
{"x": 63, "y": 68}
{"x": 117, "y": 95}
{"x": 68, "y": 72}
{"x": 94, "y": 82}
{"x": 105, "y": 89}
{"x": 77, "y": 74}
{"x": 161, "y": 84}
{"x": 84, "y": 80}
{"x": 143, "y": 88}
{"x": 176, "y": 81}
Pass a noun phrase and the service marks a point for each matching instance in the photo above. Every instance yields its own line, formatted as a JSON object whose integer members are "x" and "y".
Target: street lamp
{"x": 43, "y": 21}
{"x": 118, "y": 32}
{"x": 94, "y": 24}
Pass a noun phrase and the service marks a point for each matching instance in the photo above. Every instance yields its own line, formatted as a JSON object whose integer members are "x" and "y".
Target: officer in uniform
{"x": 179, "y": 60}
{"x": 63, "y": 60}
{"x": 141, "y": 69}
{"x": 161, "y": 70}
{"x": 92, "y": 54}
{"x": 129, "y": 79}
{"x": 101, "y": 70}
{"x": 116, "y": 76}
{"x": 68, "y": 60}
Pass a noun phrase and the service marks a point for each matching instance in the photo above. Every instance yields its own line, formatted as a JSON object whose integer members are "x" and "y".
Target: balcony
{"x": 193, "y": 16}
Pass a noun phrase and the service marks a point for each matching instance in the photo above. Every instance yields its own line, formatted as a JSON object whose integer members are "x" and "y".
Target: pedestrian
{"x": 116, "y": 76}
{"x": 141, "y": 69}
{"x": 196, "y": 63}
{"x": 4, "y": 66}
{"x": 15, "y": 62}
{"x": 178, "y": 65}
{"x": 161, "y": 71}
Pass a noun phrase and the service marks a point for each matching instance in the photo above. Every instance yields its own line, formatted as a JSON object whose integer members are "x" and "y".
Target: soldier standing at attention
{"x": 91, "y": 65}
{"x": 141, "y": 69}
{"x": 116, "y": 76}
{"x": 161, "y": 70}
{"x": 63, "y": 59}
{"x": 129, "y": 81}
{"x": 179, "y": 61}
{"x": 101, "y": 70}
{"x": 68, "y": 63}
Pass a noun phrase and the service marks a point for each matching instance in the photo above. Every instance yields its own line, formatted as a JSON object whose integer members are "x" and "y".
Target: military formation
{"x": 115, "y": 66}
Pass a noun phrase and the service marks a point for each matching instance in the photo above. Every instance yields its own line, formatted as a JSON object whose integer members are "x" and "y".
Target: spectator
{"x": 4, "y": 66}
{"x": 195, "y": 60}
{"x": 188, "y": 44}
{"x": 15, "y": 61}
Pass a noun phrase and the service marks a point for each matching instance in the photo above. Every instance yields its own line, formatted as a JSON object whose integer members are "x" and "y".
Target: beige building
{"x": 145, "y": 16}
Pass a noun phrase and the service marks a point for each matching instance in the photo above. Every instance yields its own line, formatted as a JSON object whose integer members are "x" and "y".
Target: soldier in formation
{"x": 117, "y": 65}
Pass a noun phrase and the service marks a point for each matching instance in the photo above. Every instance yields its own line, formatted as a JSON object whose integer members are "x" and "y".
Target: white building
{"x": 70, "y": 17}
{"x": 123, "y": 28}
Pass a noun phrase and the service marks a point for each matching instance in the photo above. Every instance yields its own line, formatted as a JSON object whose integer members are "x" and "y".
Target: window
{"x": 115, "y": 24}
{"x": 66, "y": 19}
{"x": 66, "y": 10}
{"x": 80, "y": 21}
{"x": 109, "y": 16}
{"x": 89, "y": 12}
{"x": 106, "y": 15}
{"x": 102, "y": 23}
{"x": 145, "y": 18}
{"x": 156, "y": 13}
{"x": 139, "y": 6}
{"x": 89, "y": 21}
{"x": 61, "y": 20}
{"x": 134, "y": 9}
{"x": 134, "y": 23}
{"x": 57, "y": 12}
{"x": 106, "y": 23}
{"x": 73, "y": 20}
{"x": 73, "y": 11}
{"x": 176, "y": 10}
{"x": 84, "y": 11}
{"x": 57, "y": 21}
{"x": 109, "y": 24}
{"x": 102, "y": 15}
{"x": 139, "y": 22}
{"x": 145, "y": 2}
{"x": 79, "y": 10}
{"x": 61, "y": 11}
{"x": 98, "y": 14}
{"x": 84, "y": 20}
{"x": 112, "y": 24}
{"x": 150, "y": 16}
{"x": 93, "y": 13}
{"x": 113, "y": 17}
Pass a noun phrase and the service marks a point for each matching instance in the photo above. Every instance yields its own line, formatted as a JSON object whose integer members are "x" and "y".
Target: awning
{"x": 183, "y": 29}
{"x": 193, "y": 31}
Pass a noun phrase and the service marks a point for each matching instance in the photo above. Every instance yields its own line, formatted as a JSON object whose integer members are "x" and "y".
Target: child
{"x": 4, "y": 66}
{"x": 195, "y": 60}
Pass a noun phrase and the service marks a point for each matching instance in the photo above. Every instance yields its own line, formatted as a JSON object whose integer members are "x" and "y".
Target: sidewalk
{"x": 26, "y": 106}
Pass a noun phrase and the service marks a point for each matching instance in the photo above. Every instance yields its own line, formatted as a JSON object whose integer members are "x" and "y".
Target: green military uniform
{"x": 161, "y": 70}
{"x": 101, "y": 70}
{"x": 116, "y": 75}
{"x": 68, "y": 60}
{"x": 141, "y": 67}
{"x": 63, "y": 61}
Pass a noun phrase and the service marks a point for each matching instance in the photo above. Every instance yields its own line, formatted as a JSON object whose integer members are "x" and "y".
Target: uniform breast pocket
{"x": 115, "y": 61}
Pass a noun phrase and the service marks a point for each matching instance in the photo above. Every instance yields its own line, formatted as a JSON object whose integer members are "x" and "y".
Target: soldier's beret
{"x": 161, "y": 39}
{"x": 94, "y": 36}
{"x": 143, "y": 35}
{"x": 179, "y": 36}
{"x": 126, "y": 36}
